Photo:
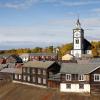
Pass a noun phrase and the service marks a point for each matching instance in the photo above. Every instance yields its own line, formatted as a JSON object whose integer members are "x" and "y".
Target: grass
{"x": 13, "y": 91}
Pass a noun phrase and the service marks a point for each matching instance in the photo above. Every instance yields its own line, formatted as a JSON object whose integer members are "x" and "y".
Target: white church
{"x": 81, "y": 46}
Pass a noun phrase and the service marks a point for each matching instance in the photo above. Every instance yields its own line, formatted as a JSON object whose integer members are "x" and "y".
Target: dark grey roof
{"x": 78, "y": 68}
{"x": 4, "y": 56}
{"x": 16, "y": 57}
{"x": 3, "y": 66}
{"x": 38, "y": 64}
{"x": 12, "y": 70}
{"x": 95, "y": 60}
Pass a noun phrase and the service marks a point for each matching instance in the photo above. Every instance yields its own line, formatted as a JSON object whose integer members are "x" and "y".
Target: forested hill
{"x": 63, "y": 49}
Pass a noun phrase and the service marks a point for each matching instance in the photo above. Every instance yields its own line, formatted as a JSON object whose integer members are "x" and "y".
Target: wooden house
{"x": 80, "y": 78}
{"x": 14, "y": 59}
{"x": 11, "y": 74}
{"x": 38, "y": 56}
{"x": 38, "y": 72}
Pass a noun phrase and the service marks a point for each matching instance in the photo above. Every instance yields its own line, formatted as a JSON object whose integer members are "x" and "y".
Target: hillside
{"x": 23, "y": 92}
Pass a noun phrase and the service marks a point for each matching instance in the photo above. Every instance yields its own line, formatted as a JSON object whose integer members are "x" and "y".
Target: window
{"x": 28, "y": 78}
{"x": 81, "y": 77}
{"x": 24, "y": 78}
{"x": 44, "y": 72}
{"x": 39, "y": 80}
{"x": 16, "y": 76}
{"x": 68, "y": 77}
{"x": 28, "y": 70}
{"x": 68, "y": 86}
{"x": 33, "y": 71}
{"x": 96, "y": 77}
{"x": 44, "y": 81}
{"x": 20, "y": 76}
{"x": 24, "y": 69}
{"x": 77, "y": 41}
{"x": 81, "y": 86}
{"x": 39, "y": 71}
{"x": 33, "y": 79}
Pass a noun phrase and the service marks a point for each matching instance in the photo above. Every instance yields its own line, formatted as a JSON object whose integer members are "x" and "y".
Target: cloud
{"x": 21, "y": 4}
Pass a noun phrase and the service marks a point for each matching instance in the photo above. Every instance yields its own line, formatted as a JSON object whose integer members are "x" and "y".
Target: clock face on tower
{"x": 77, "y": 34}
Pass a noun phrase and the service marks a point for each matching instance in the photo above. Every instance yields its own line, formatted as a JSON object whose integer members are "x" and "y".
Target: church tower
{"x": 78, "y": 39}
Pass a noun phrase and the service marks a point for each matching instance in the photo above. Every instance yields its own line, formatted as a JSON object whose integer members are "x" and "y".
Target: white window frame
{"x": 96, "y": 75}
{"x": 33, "y": 79}
{"x": 39, "y": 80}
{"x": 28, "y": 70}
{"x": 68, "y": 77}
{"x": 20, "y": 77}
{"x": 44, "y": 72}
{"x": 16, "y": 76}
{"x": 24, "y": 77}
{"x": 81, "y": 77}
{"x": 28, "y": 78}
{"x": 33, "y": 70}
{"x": 44, "y": 80}
{"x": 39, "y": 71}
{"x": 24, "y": 69}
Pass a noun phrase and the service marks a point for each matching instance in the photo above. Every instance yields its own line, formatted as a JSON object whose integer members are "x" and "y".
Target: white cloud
{"x": 20, "y": 4}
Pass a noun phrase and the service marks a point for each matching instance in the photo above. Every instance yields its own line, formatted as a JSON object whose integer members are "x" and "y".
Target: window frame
{"x": 81, "y": 77}
{"x": 68, "y": 86}
{"x": 81, "y": 86}
{"x": 28, "y": 78}
{"x": 39, "y": 71}
{"x": 16, "y": 76}
{"x": 33, "y": 79}
{"x": 44, "y": 81}
{"x": 19, "y": 76}
{"x": 77, "y": 41}
{"x": 95, "y": 77}
{"x": 68, "y": 77}
{"x": 44, "y": 72}
{"x": 39, "y": 80}
{"x": 33, "y": 71}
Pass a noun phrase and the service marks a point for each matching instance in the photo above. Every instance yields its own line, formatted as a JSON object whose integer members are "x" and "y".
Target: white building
{"x": 80, "y": 44}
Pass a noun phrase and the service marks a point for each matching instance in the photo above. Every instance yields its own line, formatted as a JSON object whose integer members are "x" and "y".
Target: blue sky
{"x": 29, "y": 23}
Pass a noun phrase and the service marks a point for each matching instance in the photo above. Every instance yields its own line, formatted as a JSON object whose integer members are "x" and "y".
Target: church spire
{"x": 78, "y": 24}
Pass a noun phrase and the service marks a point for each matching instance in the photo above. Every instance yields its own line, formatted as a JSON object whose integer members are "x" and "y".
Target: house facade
{"x": 38, "y": 56}
{"x": 80, "y": 78}
{"x": 37, "y": 72}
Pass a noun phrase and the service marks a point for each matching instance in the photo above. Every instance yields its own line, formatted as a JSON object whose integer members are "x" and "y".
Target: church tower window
{"x": 77, "y": 41}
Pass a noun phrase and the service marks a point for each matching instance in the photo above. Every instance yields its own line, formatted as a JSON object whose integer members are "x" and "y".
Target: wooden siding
{"x": 74, "y": 79}
{"x": 95, "y": 86}
{"x": 34, "y": 76}
{"x": 53, "y": 84}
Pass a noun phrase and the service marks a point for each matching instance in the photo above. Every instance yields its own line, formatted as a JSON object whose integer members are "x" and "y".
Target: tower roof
{"x": 78, "y": 24}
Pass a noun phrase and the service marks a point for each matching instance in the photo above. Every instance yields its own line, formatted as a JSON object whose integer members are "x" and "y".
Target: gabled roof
{"x": 16, "y": 57}
{"x": 3, "y": 66}
{"x": 78, "y": 68}
{"x": 87, "y": 44}
{"x": 12, "y": 70}
{"x": 38, "y": 64}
